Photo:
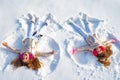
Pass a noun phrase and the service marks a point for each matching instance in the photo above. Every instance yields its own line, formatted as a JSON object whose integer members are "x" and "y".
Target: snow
{"x": 61, "y": 37}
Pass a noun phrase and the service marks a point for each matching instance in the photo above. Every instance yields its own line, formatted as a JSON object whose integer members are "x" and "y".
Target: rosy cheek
{"x": 97, "y": 50}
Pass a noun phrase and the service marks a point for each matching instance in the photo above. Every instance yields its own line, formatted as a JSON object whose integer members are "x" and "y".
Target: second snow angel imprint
{"x": 102, "y": 50}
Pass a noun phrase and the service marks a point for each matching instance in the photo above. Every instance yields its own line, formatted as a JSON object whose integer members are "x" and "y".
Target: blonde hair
{"x": 105, "y": 55}
{"x": 34, "y": 64}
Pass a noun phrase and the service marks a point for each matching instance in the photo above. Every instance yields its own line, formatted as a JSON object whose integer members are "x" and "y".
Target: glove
{"x": 74, "y": 51}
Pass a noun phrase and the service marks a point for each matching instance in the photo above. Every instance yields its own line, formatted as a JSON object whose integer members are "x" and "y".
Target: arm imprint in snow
{"x": 12, "y": 49}
{"x": 27, "y": 58}
{"x": 44, "y": 54}
{"x": 103, "y": 51}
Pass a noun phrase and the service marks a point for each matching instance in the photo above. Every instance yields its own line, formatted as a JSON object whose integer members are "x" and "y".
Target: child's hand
{"x": 5, "y": 44}
{"x": 53, "y": 52}
{"x": 113, "y": 40}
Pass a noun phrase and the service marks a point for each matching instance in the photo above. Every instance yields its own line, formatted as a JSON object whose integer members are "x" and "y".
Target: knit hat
{"x": 31, "y": 57}
{"x": 95, "y": 53}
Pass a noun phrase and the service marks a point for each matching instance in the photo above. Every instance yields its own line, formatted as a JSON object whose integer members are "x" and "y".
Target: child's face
{"x": 25, "y": 57}
{"x": 99, "y": 50}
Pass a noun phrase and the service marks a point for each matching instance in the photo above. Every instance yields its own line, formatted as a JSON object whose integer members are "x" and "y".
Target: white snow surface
{"x": 61, "y": 37}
